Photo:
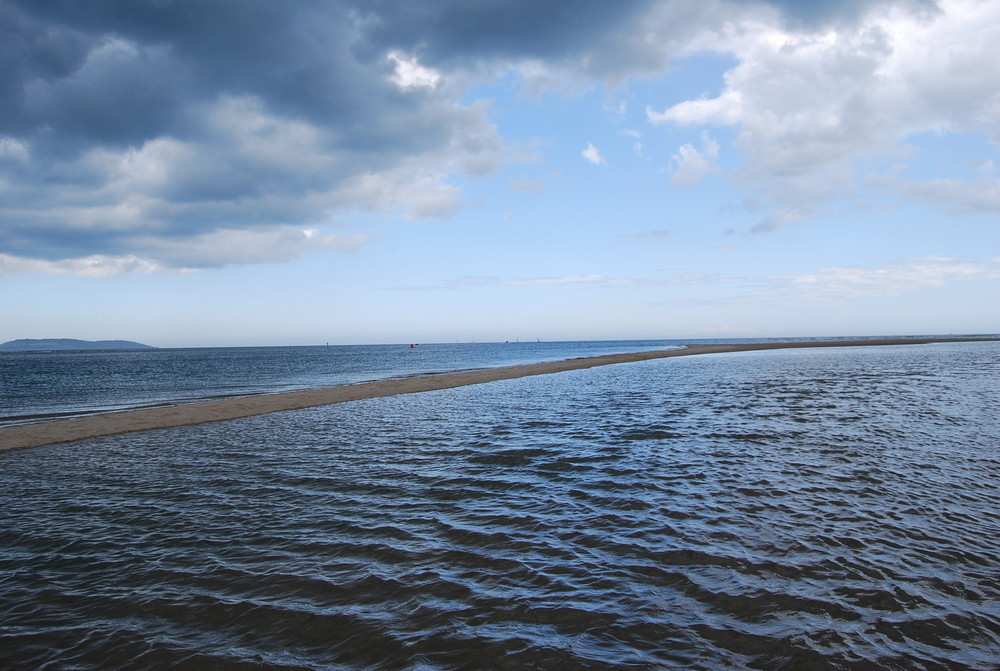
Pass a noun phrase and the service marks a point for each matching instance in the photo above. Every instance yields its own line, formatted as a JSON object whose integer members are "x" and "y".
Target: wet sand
{"x": 106, "y": 424}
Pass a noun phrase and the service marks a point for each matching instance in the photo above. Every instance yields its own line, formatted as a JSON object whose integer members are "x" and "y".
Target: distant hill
{"x": 48, "y": 344}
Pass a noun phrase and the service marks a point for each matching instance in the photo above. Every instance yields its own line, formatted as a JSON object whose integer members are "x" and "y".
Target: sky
{"x": 248, "y": 172}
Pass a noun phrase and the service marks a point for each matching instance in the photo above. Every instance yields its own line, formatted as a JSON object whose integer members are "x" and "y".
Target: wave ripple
{"x": 770, "y": 510}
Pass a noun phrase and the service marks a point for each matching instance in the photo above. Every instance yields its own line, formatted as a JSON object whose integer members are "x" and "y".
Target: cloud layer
{"x": 173, "y": 135}
{"x": 154, "y": 128}
{"x": 810, "y": 105}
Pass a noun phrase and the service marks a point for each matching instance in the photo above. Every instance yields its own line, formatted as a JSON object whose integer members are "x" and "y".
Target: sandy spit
{"x": 64, "y": 430}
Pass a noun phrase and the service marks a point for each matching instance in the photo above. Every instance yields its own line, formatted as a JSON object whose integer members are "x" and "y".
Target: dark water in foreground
{"x": 804, "y": 509}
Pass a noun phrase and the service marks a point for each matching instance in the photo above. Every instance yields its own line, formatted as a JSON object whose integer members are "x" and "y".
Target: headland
{"x": 68, "y": 344}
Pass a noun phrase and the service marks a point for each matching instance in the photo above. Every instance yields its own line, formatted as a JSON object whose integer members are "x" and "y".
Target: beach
{"x": 112, "y": 423}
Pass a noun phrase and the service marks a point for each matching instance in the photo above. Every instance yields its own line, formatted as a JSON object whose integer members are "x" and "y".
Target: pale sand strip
{"x": 63, "y": 430}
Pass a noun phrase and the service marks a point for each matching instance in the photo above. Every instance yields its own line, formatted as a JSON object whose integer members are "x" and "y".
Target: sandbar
{"x": 112, "y": 423}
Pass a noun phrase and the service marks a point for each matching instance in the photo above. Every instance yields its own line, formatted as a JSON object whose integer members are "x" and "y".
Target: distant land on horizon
{"x": 46, "y": 344}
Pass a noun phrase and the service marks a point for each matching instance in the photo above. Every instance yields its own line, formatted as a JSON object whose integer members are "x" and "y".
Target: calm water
{"x": 810, "y": 509}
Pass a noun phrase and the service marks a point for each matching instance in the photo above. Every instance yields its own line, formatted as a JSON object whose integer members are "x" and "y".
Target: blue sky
{"x": 254, "y": 173}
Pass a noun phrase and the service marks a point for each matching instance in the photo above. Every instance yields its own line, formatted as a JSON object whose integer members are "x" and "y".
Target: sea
{"x": 827, "y": 508}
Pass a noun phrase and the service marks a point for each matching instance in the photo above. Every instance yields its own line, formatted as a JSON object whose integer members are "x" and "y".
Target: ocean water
{"x": 785, "y": 509}
{"x": 40, "y": 385}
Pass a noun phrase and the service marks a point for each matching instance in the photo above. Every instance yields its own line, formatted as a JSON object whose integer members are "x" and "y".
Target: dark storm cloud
{"x": 452, "y": 29}
{"x": 138, "y": 66}
{"x": 123, "y": 120}
{"x": 821, "y": 12}
{"x": 457, "y": 30}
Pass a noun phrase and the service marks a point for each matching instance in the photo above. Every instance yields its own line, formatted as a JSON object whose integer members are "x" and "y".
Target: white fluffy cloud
{"x": 692, "y": 165}
{"x": 593, "y": 155}
{"x": 810, "y": 104}
{"x": 409, "y": 73}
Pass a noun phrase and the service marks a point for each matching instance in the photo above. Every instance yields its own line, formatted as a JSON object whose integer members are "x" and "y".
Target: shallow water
{"x": 803, "y": 509}
{"x": 39, "y": 385}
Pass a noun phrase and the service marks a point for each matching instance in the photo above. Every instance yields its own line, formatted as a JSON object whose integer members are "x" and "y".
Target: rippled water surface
{"x": 38, "y": 385}
{"x": 801, "y": 509}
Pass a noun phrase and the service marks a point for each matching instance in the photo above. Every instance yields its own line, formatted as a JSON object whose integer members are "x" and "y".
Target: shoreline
{"x": 168, "y": 416}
